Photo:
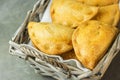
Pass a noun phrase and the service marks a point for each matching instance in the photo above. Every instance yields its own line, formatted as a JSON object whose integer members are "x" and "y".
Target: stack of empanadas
{"x": 71, "y": 12}
{"x": 74, "y": 12}
{"x": 80, "y": 29}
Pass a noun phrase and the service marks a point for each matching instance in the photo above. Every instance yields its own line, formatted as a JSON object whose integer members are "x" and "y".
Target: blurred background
{"x": 12, "y": 14}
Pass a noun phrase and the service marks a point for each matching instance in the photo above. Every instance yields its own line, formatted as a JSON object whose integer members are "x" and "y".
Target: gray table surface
{"x": 12, "y": 14}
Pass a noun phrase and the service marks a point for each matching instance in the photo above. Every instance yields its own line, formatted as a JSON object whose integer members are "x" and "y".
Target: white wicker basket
{"x": 51, "y": 65}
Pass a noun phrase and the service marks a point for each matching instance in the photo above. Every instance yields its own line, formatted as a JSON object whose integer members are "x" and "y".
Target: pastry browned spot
{"x": 68, "y": 55}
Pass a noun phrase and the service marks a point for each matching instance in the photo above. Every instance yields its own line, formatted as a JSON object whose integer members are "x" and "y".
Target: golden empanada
{"x": 108, "y": 14}
{"x": 91, "y": 41}
{"x": 68, "y": 55}
{"x": 99, "y": 2}
{"x": 51, "y": 38}
{"x": 71, "y": 12}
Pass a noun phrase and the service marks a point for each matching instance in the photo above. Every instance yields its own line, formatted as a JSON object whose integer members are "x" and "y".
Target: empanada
{"x": 68, "y": 55}
{"x": 108, "y": 14}
{"x": 91, "y": 41}
{"x": 99, "y": 2}
{"x": 51, "y": 38}
{"x": 71, "y": 12}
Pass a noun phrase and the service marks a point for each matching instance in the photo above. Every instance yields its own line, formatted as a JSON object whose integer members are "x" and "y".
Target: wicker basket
{"x": 51, "y": 65}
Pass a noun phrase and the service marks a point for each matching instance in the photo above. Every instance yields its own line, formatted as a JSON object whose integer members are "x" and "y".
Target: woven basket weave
{"x": 51, "y": 65}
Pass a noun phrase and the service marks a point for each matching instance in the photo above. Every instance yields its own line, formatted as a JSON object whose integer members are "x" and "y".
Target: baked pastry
{"x": 91, "y": 41}
{"x": 68, "y": 55}
{"x": 71, "y": 12}
{"x": 108, "y": 14}
{"x": 99, "y": 2}
{"x": 51, "y": 38}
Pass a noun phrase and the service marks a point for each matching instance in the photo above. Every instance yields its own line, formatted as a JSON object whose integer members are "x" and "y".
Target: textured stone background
{"x": 12, "y": 14}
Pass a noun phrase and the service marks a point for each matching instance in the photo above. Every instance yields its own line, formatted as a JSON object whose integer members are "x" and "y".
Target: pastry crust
{"x": 71, "y": 12}
{"x": 68, "y": 55}
{"x": 108, "y": 14}
{"x": 51, "y": 38}
{"x": 99, "y": 2}
{"x": 91, "y": 41}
